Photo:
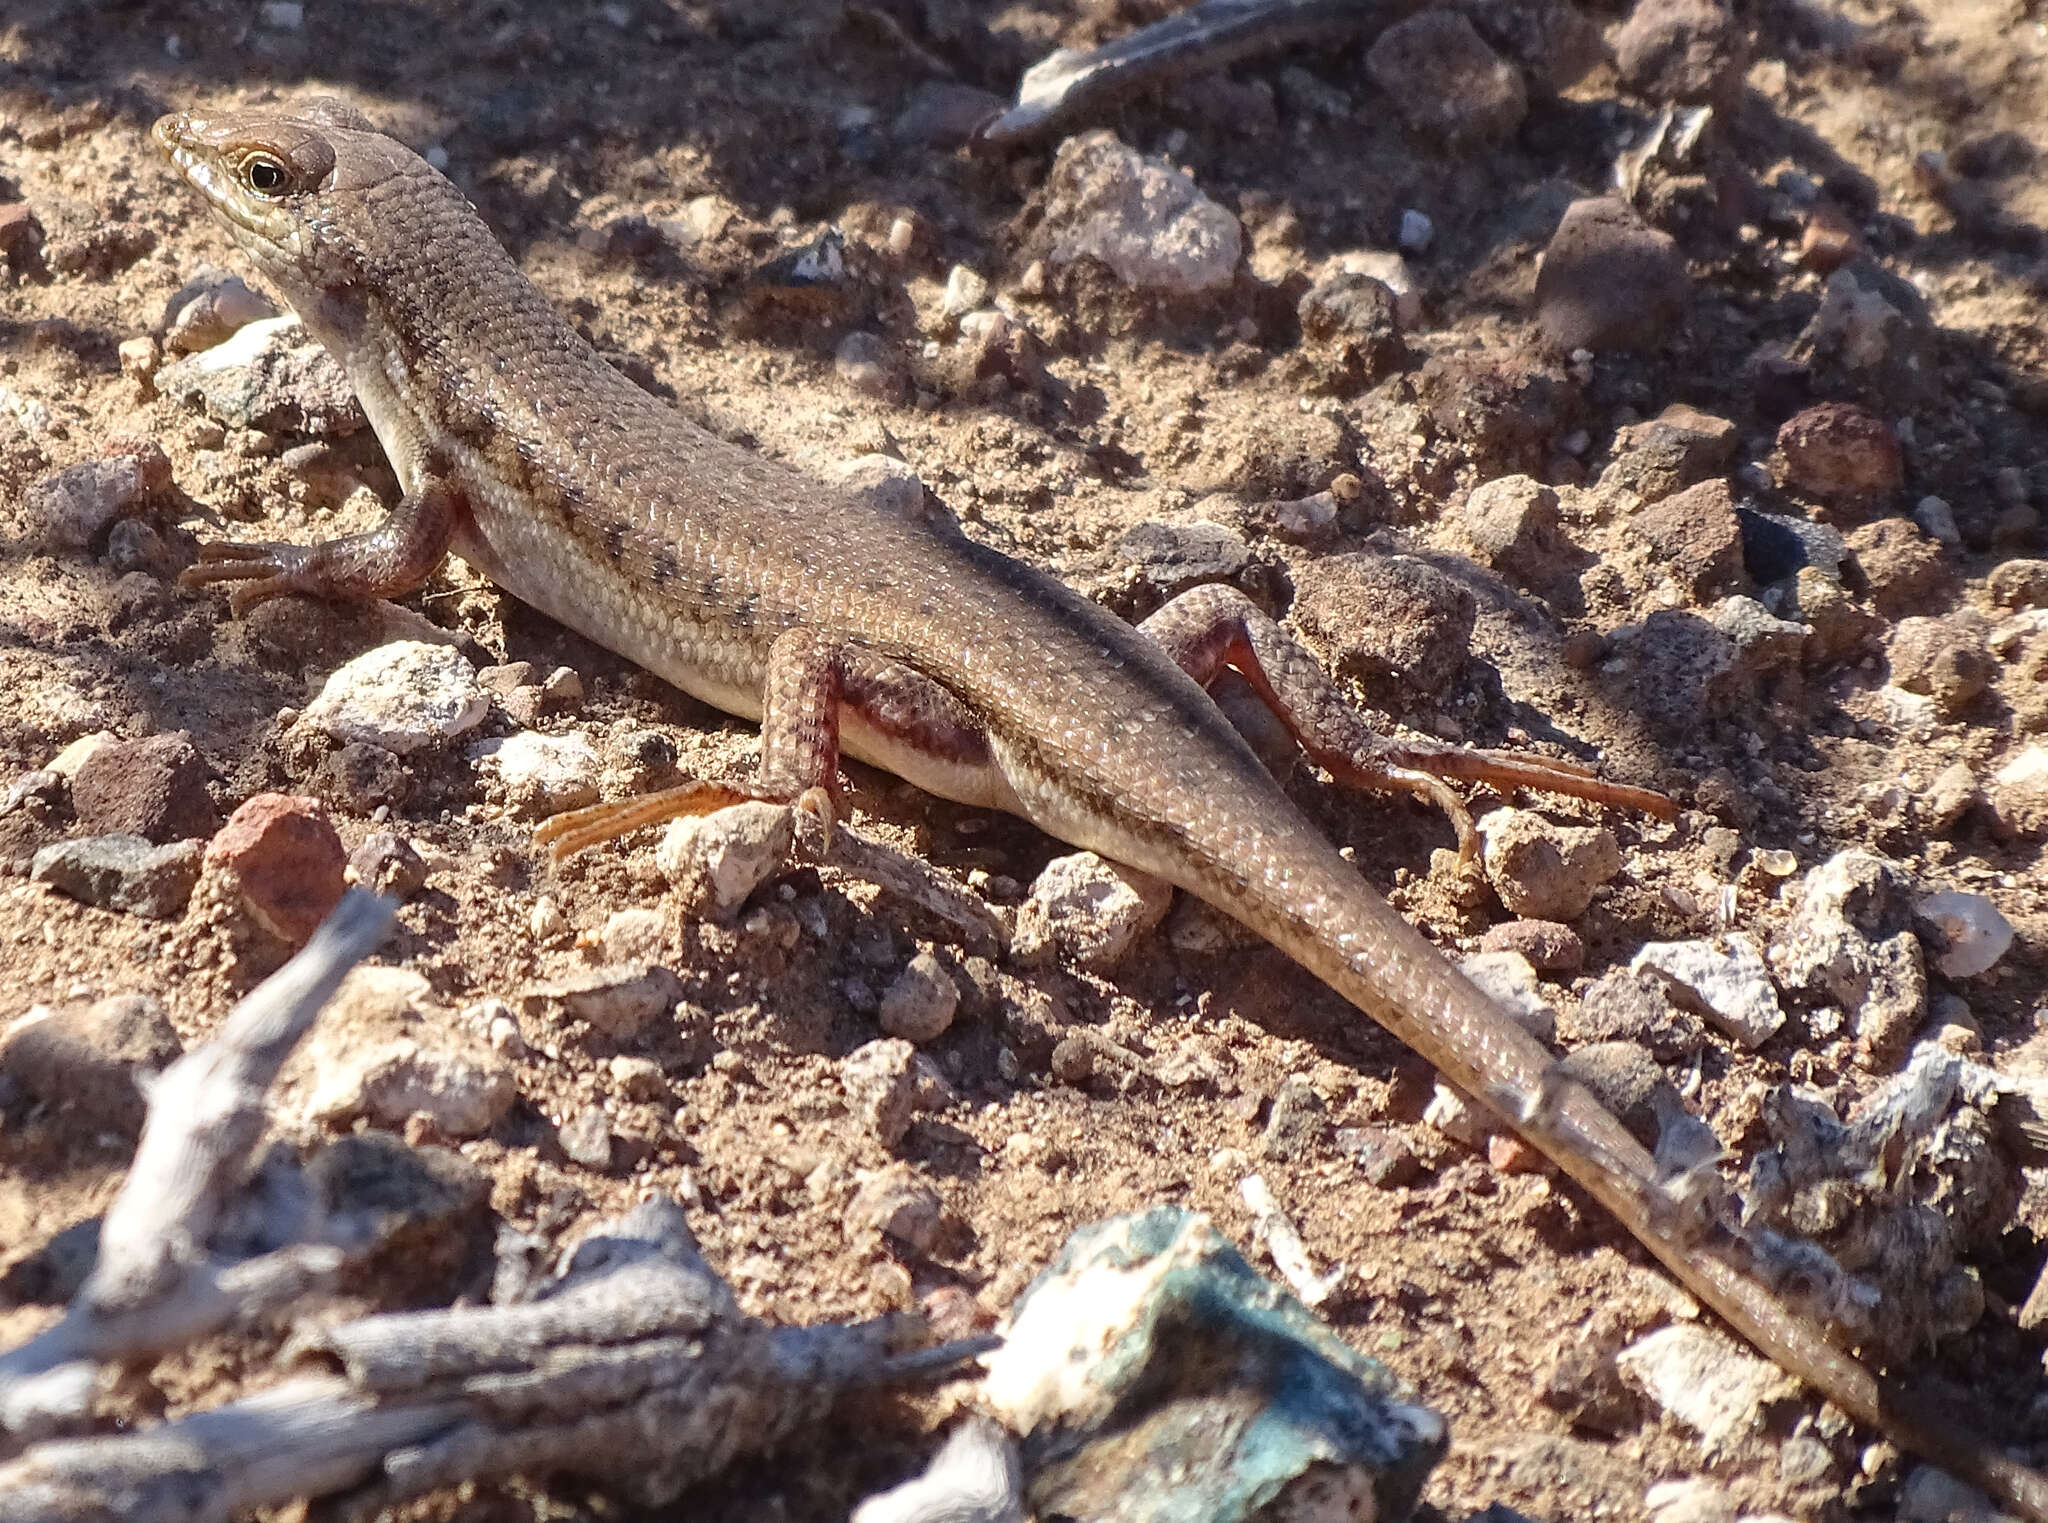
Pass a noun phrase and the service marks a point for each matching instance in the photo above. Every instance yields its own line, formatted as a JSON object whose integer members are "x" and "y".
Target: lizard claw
{"x": 266, "y": 570}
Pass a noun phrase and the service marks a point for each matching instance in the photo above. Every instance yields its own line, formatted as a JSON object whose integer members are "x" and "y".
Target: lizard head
{"x": 295, "y": 185}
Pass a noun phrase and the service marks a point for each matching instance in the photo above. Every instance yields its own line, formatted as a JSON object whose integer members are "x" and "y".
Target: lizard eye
{"x": 265, "y": 175}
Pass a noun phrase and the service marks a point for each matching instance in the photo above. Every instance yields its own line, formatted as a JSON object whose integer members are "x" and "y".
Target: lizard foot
{"x": 568, "y": 833}
{"x": 266, "y": 570}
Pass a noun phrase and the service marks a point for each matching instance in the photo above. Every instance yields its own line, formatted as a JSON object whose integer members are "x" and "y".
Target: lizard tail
{"x": 1314, "y": 906}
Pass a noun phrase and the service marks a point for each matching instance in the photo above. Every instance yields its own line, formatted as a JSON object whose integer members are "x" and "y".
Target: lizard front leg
{"x": 1208, "y": 629}
{"x": 815, "y": 692}
{"x": 385, "y": 562}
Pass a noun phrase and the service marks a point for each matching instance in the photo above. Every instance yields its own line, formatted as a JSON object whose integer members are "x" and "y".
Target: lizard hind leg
{"x": 799, "y": 757}
{"x": 1208, "y": 629}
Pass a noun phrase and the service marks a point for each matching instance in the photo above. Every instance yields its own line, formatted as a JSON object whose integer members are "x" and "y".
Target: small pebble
{"x": 1609, "y": 280}
{"x": 618, "y": 1001}
{"x": 155, "y": 787}
{"x": 1840, "y": 453}
{"x": 407, "y": 696}
{"x": 1089, "y": 909}
{"x": 865, "y": 362}
{"x": 587, "y": 1138}
{"x": 716, "y": 861}
{"x": 966, "y": 289}
{"x": 1544, "y": 870}
{"x": 919, "y": 1003}
{"x": 121, "y": 872}
{"x": 880, "y": 1080}
{"x": 1724, "y": 980}
{"x": 899, "y": 1205}
{"x": 1975, "y": 933}
{"x": 386, "y": 863}
{"x": 1142, "y": 217}
{"x": 1418, "y": 232}
{"x": 1549, "y": 945}
{"x": 1446, "y": 83}
{"x": 379, "y": 1052}
{"x": 537, "y": 775}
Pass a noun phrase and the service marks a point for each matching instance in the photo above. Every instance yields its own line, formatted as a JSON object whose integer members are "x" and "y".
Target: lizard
{"x": 845, "y": 627}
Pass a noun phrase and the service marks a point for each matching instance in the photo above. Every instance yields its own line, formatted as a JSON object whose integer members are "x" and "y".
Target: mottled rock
{"x": 1944, "y": 659}
{"x": 1448, "y": 85}
{"x": 919, "y": 1003}
{"x": 1609, "y": 280}
{"x": 1295, "y": 1122}
{"x": 618, "y": 1001}
{"x": 1623, "y": 1005}
{"x": 383, "y": 1051}
{"x": 866, "y": 363}
{"x": 1625, "y": 1078}
{"x": 1679, "y": 448}
{"x": 1849, "y": 942}
{"x": 900, "y": 1206}
{"x": 1724, "y": 980}
{"x": 538, "y": 775}
{"x": 1974, "y": 935}
{"x": 637, "y": 933}
{"x": 1090, "y": 910}
{"x": 281, "y": 860}
{"x": 210, "y": 309}
{"x": 121, "y": 872}
{"x": 405, "y": 697}
{"x": 586, "y": 1138}
{"x": 1171, "y": 558}
{"x": 1543, "y": 869}
{"x": 71, "y": 509}
{"x": 1510, "y": 982}
{"x": 1144, "y": 219}
{"x": 1696, "y": 537}
{"x": 271, "y": 375}
{"x": 1351, "y": 332}
{"x": 1841, "y": 453}
{"x": 1549, "y": 946}
{"x": 880, "y": 1080}
{"x": 716, "y": 861}
{"x": 1384, "y": 1158}
{"x": 386, "y": 863}
{"x": 155, "y": 788}
{"x": 1681, "y": 50}
{"x": 1705, "y": 1381}
{"x": 1514, "y": 526}
{"x": 1386, "y": 619}
{"x": 1903, "y": 569}
{"x": 2019, "y": 794}
{"x": 2018, "y": 583}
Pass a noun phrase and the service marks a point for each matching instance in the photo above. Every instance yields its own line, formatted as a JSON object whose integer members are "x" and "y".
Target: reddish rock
{"x": 1609, "y": 280}
{"x": 21, "y": 237}
{"x": 155, "y": 788}
{"x": 286, "y": 861}
{"x": 1696, "y": 538}
{"x": 1840, "y": 453}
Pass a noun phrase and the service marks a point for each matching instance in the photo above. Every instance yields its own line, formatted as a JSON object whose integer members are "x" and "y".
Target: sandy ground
{"x": 560, "y": 121}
